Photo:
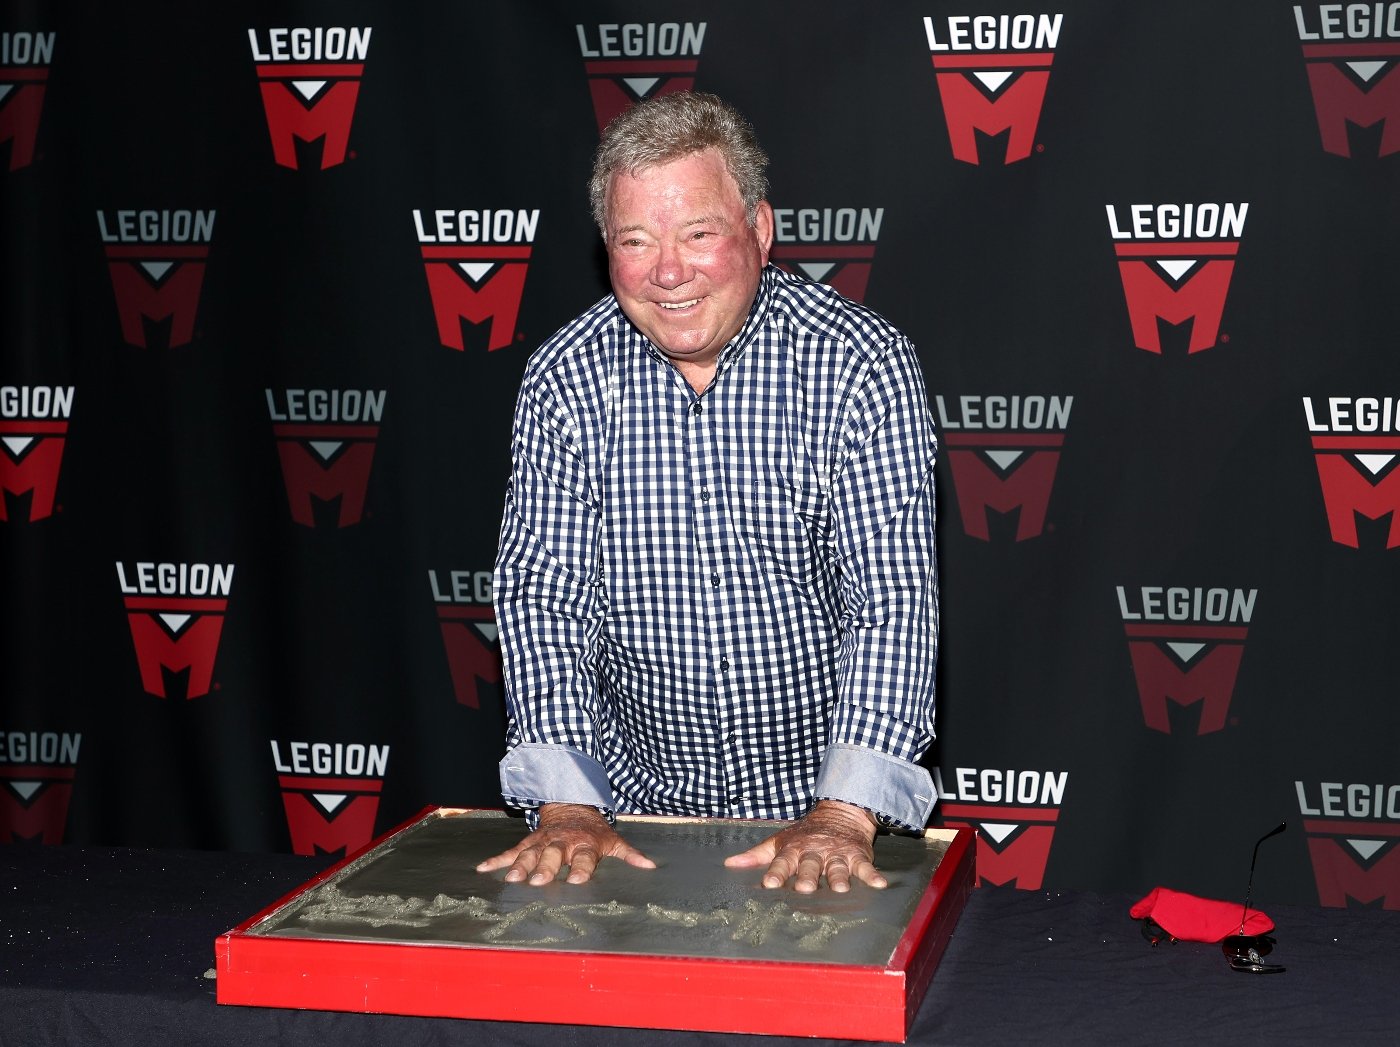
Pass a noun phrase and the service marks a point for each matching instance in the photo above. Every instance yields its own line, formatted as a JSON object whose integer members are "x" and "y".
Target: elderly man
{"x": 716, "y": 587}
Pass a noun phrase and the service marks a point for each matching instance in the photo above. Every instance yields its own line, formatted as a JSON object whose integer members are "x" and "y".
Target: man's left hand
{"x": 833, "y": 839}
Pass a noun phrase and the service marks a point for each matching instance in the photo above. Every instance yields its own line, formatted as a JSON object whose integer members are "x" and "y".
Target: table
{"x": 112, "y": 946}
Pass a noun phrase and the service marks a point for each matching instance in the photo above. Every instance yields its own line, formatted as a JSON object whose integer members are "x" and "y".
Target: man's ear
{"x": 763, "y": 226}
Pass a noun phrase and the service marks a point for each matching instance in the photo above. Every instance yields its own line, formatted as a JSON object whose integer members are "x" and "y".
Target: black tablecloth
{"x": 116, "y": 946}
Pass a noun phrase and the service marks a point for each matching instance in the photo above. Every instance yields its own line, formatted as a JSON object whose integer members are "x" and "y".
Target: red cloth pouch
{"x": 1194, "y": 919}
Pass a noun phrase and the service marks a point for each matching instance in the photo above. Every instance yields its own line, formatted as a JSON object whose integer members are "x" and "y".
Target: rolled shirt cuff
{"x": 896, "y": 791}
{"x": 535, "y": 773}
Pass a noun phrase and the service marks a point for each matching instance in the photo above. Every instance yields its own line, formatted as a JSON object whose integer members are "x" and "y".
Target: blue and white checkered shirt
{"x": 722, "y": 604}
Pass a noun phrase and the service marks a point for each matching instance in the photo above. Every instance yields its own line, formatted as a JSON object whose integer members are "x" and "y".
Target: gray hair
{"x": 667, "y": 127}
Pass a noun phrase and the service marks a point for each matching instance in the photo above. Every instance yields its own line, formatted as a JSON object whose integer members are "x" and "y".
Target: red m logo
{"x": 1339, "y": 100}
{"x": 178, "y": 635}
{"x": 1014, "y": 105}
{"x": 617, "y": 86}
{"x": 149, "y": 285}
{"x": 473, "y": 649}
{"x": 476, "y": 284}
{"x": 1346, "y": 491}
{"x": 1021, "y": 480}
{"x": 21, "y": 102}
{"x": 326, "y": 462}
{"x": 310, "y": 101}
{"x": 33, "y": 453}
{"x": 1199, "y": 668}
{"x": 1013, "y": 843}
{"x": 330, "y": 815}
{"x": 34, "y": 803}
{"x": 1355, "y": 860}
{"x": 1200, "y": 297}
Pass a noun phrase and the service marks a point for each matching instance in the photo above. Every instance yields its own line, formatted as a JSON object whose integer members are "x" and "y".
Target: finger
{"x": 838, "y": 874}
{"x": 551, "y": 858}
{"x": 526, "y": 858}
{"x": 760, "y": 854}
{"x": 498, "y": 861}
{"x": 779, "y": 870}
{"x": 866, "y": 873}
{"x": 636, "y": 858}
{"x": 581, "y": 864}
{"x": 809, "y": 872}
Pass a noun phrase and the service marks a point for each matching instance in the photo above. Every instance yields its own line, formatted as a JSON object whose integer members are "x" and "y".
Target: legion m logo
{"x": 37, "y": 769}
{"x": 33, "y": 431}
{"x": 1014, "y": 813}
{"x": 470, "y": 636}
{"x": 24, "y": 74}
{"x": 1353, "y": 834}
{"x": 176, "y": 615}
{"x": 831, "y": 245}
{"x": 1356, "y": 444}
{"x": 330, "y": 793}
{"x": 1186, "y": 646}
{"x": 156, "y": 260}
{"x": 627, "y": 63}
{"x": 325, "y": 441}
{"x": 1175, "y": 262}
{"x": 476, "y": 263}
{"x": 992, "y": 73}
{"x": 1350, "y": 53}
{"x": 1003, "y": 452}
{"x": 310, "y": 80}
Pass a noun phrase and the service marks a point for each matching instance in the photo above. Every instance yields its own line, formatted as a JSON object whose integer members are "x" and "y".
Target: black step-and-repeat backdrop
{"x": 272, "y": 275}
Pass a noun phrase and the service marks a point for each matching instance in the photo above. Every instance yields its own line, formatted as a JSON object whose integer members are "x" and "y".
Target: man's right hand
{"x": 569, "y": 834}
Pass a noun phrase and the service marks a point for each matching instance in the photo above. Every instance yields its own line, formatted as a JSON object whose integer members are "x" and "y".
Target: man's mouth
{"x": 679, "y": 305}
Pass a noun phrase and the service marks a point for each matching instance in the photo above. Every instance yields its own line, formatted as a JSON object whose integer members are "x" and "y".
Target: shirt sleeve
{"x": 884, "y": 517}
{"x": 549, "y": 607}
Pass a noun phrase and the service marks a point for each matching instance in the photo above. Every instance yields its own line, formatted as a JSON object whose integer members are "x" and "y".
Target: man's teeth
{"x": 678, "y": 305}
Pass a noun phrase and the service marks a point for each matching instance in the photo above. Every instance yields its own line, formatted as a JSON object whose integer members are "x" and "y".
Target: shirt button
{"x": 699, "y": 408}
{"x": 714, "y": 579}
{"x": 724, "y": 665}
{"x": 704, "y": 494}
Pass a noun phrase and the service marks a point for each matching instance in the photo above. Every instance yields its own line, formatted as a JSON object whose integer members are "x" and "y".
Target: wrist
{"x": 856, "y": 815}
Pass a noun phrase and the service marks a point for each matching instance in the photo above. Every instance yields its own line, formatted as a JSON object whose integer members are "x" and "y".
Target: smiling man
{"x": 716, "y": 585}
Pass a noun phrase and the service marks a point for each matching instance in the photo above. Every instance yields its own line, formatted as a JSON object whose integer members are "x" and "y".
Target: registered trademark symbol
{"x": 353, "y": 155}
{"x": 1234, "y": 721}
{"x": 1040, "y": 147}
{"x": 218, "y": 687}
{"x": 519, "y": 337}
{"x": 1224, "y": 339}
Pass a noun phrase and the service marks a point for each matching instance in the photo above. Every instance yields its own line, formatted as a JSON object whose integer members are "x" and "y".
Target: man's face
{"x": 684, "y": 261}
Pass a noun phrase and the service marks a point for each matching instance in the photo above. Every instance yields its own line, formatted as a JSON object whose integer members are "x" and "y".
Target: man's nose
{"x": 671, "y": 269}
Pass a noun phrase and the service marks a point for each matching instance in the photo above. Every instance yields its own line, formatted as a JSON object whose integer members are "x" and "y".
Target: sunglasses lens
{"x": 1246, "y": 953}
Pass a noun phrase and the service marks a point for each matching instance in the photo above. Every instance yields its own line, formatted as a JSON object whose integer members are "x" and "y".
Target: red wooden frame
{"x": 576, "y": 988}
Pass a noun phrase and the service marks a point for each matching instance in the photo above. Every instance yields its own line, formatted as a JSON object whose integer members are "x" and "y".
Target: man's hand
{"x": 569, "y": 834}
{"x": 833, "y": 839}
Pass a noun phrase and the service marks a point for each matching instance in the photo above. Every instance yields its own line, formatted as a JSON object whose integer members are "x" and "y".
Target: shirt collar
{"x": 757, "y": 312}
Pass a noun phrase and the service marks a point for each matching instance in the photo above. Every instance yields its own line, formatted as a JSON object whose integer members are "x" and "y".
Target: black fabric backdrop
{"x": 1176, "y": 469}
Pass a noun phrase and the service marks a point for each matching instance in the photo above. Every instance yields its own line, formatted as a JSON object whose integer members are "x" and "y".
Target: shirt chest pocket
{"x": 785, "y": 523}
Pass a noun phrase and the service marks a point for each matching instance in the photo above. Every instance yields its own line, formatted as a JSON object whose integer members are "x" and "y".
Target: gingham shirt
{"x": 722, "y": 604}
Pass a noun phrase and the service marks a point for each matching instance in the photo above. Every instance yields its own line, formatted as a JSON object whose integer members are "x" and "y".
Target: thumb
{"x": 760, "y": 854}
